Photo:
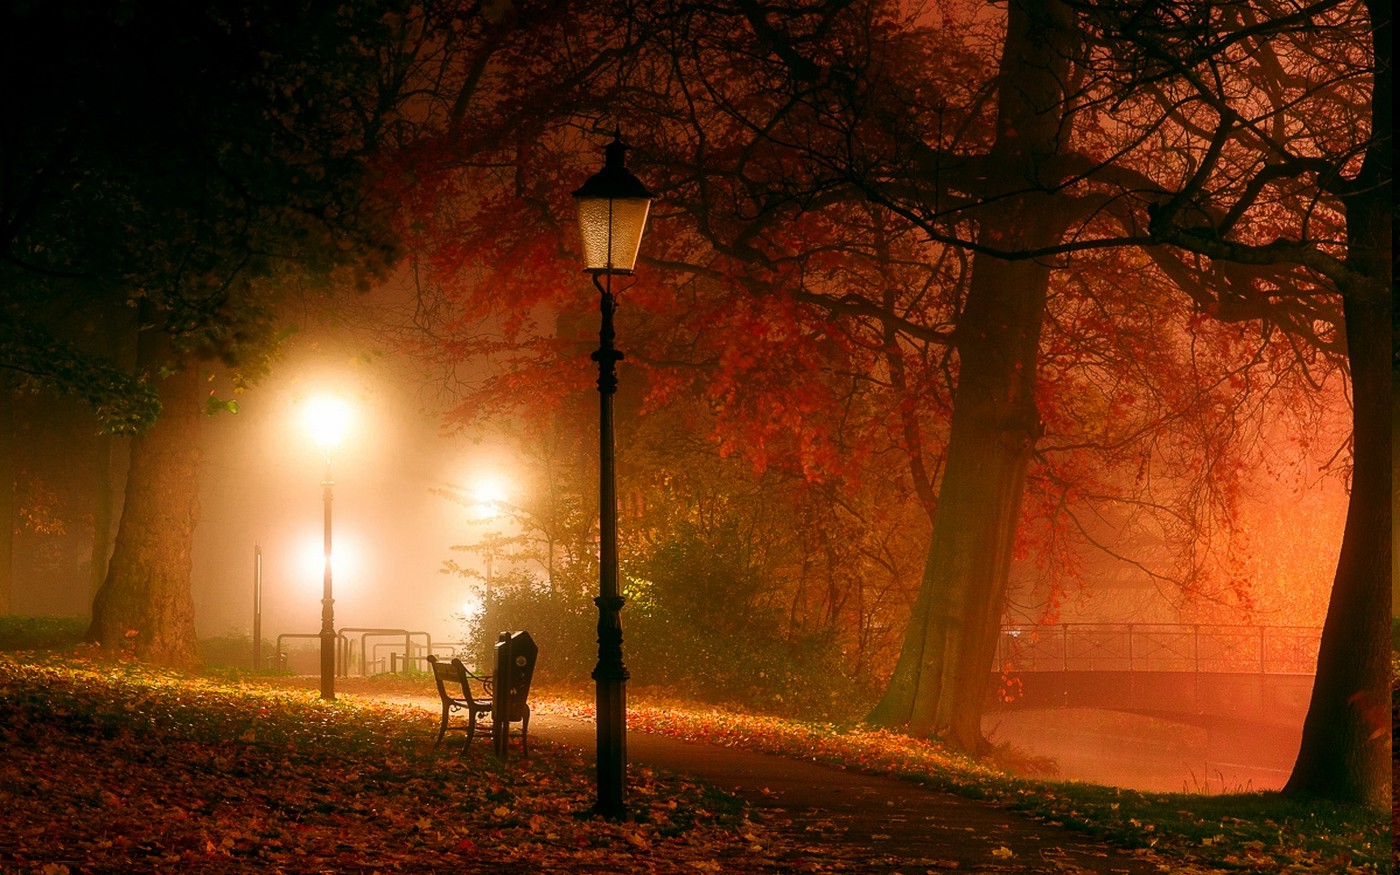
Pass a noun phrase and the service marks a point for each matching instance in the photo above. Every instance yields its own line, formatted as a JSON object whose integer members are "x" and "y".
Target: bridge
{"x": 1192, "y": 673}
{"x": 1169, "y": 707}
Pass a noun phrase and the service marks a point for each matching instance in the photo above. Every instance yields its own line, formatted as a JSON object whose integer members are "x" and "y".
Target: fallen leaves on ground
{"x": 111, "y": 767}
{"x": 1256, "y": 832}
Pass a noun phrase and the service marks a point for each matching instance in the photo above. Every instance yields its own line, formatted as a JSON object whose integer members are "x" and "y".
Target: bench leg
{"x": 442, "y": 729}
{"x": 525, "y": 735}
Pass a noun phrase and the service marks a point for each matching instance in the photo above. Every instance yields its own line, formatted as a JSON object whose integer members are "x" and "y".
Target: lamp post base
{"x": 328, "y": 654}
{"x": 328, "y": 666}
{"x": 612, "y": 749}
{"x": 611, "y": 676}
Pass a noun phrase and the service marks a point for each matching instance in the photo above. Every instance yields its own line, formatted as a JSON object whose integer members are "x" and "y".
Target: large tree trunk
{"x": 1346, "y": 747}
{"x": 7, "y": 495}
{"x": 943, "y": 671}
{"x": 145, "y": 605}
{"x": 941, "y": 679}
{"x": 1345, "y": 753}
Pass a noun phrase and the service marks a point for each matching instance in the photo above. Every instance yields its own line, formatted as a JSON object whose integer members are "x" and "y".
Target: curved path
{"x": 875, "y": 823}
{"x": 896, "y": 825}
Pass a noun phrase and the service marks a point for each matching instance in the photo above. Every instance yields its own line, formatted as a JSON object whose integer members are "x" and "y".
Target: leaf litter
{"x": 113, "y": 767}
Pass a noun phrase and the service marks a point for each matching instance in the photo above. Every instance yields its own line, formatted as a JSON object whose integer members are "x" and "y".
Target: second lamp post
{"x": 612, "y": 213}
{"x": 327, "y": 418}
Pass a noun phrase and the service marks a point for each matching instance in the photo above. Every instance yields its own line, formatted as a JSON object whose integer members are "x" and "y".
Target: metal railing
{"x": 1163, "y": 647}
{"x": 415, "y": 660}
{"x": 366, "y": 656}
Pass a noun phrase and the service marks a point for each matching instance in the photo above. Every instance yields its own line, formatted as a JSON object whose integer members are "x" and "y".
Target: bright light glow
{"x": 471, "y": 608}
{"x": 490, "y": 492}
{"x": 327, "y": 417}
{"x": 346, "y": 559}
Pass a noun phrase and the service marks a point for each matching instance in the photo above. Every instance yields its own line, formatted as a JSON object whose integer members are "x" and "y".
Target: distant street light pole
{"x": 612, "y": 214}
{"x": 327, "y": 418}
{"x": 257, "y": 607}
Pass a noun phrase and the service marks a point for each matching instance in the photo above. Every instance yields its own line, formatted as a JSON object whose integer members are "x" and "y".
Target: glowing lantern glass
{"x": 612, "y": 213}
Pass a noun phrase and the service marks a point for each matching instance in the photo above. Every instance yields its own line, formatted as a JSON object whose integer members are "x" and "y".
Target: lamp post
{"x": 612, "y": 213}
{"x": 327, "y": 418}
{"x": 257, "y": 607}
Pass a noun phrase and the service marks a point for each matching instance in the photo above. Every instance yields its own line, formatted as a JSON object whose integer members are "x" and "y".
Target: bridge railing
{"x": 1158, "y": 647}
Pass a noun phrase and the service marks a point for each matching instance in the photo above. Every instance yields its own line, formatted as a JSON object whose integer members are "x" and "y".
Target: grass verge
{"x": 41, "y": 633}
{"x": 1260, "y": 832}
{"x": 1254, "y": 832}
{"x": 115, "y": 767}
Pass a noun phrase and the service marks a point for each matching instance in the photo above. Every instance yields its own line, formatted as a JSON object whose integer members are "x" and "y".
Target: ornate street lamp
{"x": 327, "y": 418}
{"x": 612, "y": 213}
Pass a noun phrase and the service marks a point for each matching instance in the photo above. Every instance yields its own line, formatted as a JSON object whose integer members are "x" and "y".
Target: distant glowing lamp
{"x": 490, "y": 494}
{"x": 327, "y": 417}
{"x": 347, "y": 562}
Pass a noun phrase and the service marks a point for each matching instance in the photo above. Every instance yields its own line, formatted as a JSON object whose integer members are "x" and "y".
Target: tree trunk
{"x": 1345, "y": 754}
{"x": 941, "y": 679}
{"x": 7, "y": 495}
{"x": 145, "y": 606}
{"x": 1346, "y": 749}
{"x": 107, "y": 486}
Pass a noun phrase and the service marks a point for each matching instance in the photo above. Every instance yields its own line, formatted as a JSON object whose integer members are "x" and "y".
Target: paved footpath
{"x": 898, "y": 826}
{"x": 905, "y": 827}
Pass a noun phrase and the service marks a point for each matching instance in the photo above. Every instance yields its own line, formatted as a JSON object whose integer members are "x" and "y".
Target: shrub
{"x": 235, "y": 650}
{"x": 41, "y": 633}
{"x": 563, "y": 623}
{"x": 699, "y": 619}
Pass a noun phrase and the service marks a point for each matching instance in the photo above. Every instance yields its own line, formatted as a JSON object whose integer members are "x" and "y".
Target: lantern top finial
{"x": 614, "y": 181}
{"x": 615, "y": 153}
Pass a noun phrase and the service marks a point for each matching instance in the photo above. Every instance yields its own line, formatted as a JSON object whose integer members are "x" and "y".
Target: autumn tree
{"x": 1089, "y": 173}
{"x": 1286, "y": 112}
{"x": 1016, "y": 146}
{"x": 178, "y": 172}
{"x": 972, "y": 149}
{"x": 771, "y": 159}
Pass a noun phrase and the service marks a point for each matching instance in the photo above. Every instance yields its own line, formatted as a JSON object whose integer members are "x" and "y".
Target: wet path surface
{"x": 898, "y": 826}
{"x": 879, "y": 824}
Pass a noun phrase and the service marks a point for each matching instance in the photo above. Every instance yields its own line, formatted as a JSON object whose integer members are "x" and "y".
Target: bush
{"x": 704, "y": 621}
{"x": 698, "y": 620}
{"x": 563, "y": 624}
{"x": 759, "y": 669}
{"x": 234, "y": 650}
{"x": 41, "y": 633}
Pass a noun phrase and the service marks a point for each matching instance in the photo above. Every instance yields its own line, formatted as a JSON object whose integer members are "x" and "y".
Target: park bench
{"x": 454, "y": 688}
{"x": 506, "y": 693}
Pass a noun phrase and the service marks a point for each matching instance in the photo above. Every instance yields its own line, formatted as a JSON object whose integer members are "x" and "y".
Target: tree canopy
{"x": 169, "y": 179}
{"x": 1079, "y": 248}
{"x": 176, "y": 168}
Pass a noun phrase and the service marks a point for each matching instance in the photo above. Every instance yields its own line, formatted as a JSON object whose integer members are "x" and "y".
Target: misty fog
{"x": 261, "y": 488}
